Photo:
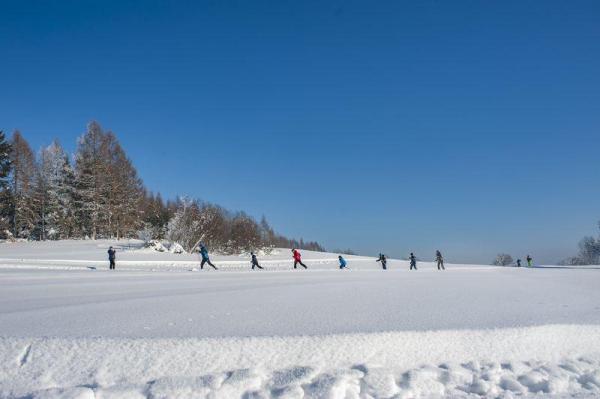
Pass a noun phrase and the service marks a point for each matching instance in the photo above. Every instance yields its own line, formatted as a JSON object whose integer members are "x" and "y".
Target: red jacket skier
{"x": 298, "y": 259}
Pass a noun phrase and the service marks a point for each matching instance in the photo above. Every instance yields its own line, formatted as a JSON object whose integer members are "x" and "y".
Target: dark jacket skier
{"x": 383, "y": 261}
{"x": 255, "y": 261}
{"x": 205, "y": 258}
{"x": 413, "y": 261}
{"x": 518, "y": 262}
{"x": 440, "y": 260}
{"x": 342, "y": 262}
{"x": 298, "y": 259}
{"x": 111, "y": 258}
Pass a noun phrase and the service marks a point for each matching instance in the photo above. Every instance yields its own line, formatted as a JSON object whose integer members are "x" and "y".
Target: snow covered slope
{"x": 159, "y": 328}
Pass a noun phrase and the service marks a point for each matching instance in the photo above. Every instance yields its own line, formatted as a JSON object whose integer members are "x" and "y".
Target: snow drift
{"x": 494, "y": 363}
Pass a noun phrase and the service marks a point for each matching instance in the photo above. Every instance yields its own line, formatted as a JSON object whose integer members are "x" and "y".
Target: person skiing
{"x": 518, "y": 262}
{"x": 298, "y": 259}
{"x": 529, "y": 261}
{"x": 255, "y": 261}
{"x": 205, "y": 258}
{"x": 440, "y": 260}
{"x": 413, "y": 261}
{"x": 111, "y": 258}
{"x": 342, "y": 262}
{"x": 383, "y": 261}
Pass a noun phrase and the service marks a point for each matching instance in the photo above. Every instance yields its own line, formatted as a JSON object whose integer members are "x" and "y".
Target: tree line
{"x": 97, "y": 193}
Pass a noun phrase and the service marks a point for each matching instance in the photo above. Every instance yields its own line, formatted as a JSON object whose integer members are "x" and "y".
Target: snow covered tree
{"x": 244, "y": 234}
{"x": 195, "y": 223}
{"x": 51, "y": 192}
{"x": 589, "y": 252}
{"x": 156, "y": 215}
{"x": 66, "y": 196}
{"x": 22, "y": 159}
{"x": 5, "y": 194}
{"x": 182, "y": 227}
{"x": 503, "y": 260}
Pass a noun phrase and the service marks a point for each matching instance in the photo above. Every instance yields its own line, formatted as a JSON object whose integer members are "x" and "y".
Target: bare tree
{"x": 90, "y": 179}
{"x": 21, "y": 183}
{"x": 50, "y": 188}
{"x": 5, "y": 194}
{"x": 503, "y": 260}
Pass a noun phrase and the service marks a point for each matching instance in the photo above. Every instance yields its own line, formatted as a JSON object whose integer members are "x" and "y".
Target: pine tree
{"x": 5, "y": 194}
{"x": 23, "y": 213}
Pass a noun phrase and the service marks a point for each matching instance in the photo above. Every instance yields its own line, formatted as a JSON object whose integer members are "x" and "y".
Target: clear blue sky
{"x": 472, "y": 127}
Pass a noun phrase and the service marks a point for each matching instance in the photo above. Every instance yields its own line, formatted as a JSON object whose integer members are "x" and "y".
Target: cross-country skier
{"x": 518, "y": 262}
{"x": 440, "y": 260}
{"x": 342, "y": 262}
{"x": 255, "y": 261}
{"x": 383, "y": 261}
{"x": 529, "y": 261}
{"x": 205, "y": 258}
{"x": 111, "y": 258}
{"x": 298, "y": 259}
{"x": 413, "y": 261}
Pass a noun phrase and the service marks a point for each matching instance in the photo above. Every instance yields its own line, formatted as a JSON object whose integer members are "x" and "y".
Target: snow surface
{"x": 158, "y": 327}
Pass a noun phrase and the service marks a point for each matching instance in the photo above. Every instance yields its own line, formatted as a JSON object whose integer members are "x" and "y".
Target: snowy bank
{"x": 495, "y": 363}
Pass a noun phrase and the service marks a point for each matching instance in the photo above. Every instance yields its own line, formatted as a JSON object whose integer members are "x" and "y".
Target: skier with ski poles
{"x": 255, "y": 261}
{"x": 440, "y": 260}
{"x": 383, "y": 261}
{"x": 111, "y": 258}
{"x": 205, "y": 258}
{"x": 413, "y": 261}
{"x": 297, "y": 259}
{"x": 342, "y": 262}
{"x": 529, "y": 261}
{"x": 518, "y": 262}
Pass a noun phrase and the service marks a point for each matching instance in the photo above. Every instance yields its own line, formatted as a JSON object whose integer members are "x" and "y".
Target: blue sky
{"x": 468, "y": 126}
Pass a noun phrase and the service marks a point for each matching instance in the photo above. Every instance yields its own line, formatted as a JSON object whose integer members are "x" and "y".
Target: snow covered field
{"x": 158, "y": 327}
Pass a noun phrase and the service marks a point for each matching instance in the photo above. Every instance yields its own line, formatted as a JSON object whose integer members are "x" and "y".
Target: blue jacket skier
{"x": 342, "y": 262}
{"x": 205, "y": 258}
{"x": 111, "y": 258}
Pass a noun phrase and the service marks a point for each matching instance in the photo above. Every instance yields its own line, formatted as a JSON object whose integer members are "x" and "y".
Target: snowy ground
{"x": 160, "y": 328}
